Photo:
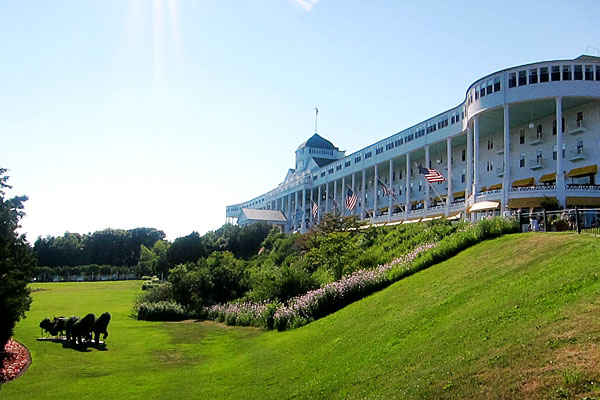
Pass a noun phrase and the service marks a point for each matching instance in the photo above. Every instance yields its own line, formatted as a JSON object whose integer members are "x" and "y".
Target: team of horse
{"x": 77, "y": 331}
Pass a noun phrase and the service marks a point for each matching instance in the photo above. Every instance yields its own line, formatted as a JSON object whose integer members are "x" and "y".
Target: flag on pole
{"x": 386, "y": 191}
{"x": 431, "y": 175}
{"x": 351, "y": 200}
{"x": 315, "y": 209}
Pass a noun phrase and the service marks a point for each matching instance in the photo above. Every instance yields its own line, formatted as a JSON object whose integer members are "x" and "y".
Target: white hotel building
{"x": 521, "y": 134}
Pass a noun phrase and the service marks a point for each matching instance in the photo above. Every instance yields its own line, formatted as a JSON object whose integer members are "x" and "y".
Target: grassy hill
{"x": 514, "y": 317}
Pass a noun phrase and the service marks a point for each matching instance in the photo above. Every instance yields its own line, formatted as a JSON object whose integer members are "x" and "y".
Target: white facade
{"x": 502, "y": 144}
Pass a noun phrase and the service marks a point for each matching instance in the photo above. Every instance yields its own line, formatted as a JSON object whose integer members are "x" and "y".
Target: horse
{"x": 100, "y": 327}
{"x": 70, "y": 328}
{"x": 46, "y": 325}
{"x": 82, "y": 329}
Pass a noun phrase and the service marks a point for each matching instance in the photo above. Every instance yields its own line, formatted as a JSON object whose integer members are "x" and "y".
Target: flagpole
{"x": 430, "y": 185}
{"x": 316, "y": 116}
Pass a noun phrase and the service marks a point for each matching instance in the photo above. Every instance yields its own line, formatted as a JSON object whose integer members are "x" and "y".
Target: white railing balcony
{"x": 535, "y": 140}
{"x": 537, "y": 188}
{"x": 579, "y": 127}
{"x": 583, "y": 187}
{"x": 536, "y": 163}
{"x": 578, "y": 154}
{"x": 500, "y": 171}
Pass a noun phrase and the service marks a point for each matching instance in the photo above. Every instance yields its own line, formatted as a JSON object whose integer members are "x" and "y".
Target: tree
{"x": 186, "y": 249}
{"x": 16, "y": 263}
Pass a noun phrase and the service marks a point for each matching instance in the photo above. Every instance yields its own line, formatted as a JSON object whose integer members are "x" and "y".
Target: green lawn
{"x": 514, "y": 317}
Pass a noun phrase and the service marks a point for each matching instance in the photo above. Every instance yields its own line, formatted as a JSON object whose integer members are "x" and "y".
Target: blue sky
{"x": 160, "y": 113}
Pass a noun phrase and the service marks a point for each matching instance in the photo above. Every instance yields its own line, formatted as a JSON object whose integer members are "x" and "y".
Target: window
{"x": 555, "y": 74}
{"x": 490, "y": 166}
{"x": 357, "y": 159}
{"x": 368, "y": 154}
{"x": 483, "y": 90}
{"x": 539, "y": 131}
{"x": 497, "y": 84}
{"x": 462, "y": 176}
{"x": 580, "y": 119}
{"x": 490, "y": 144}
{"x": 512, "y": 80}
{"x": 521, "y": 160}
{"x": 538, "y": 156}
{"x": 554, "y": 153}
{"x": 420, "y": 186}
{"x": 464, "y": 154}
{"x": 477, "y": 92}
{"x": 589, "y": 73}
{"x": 378, "y": 150}
{"x": 522, "y": 78}
{"x": 330, "y": 171}
{"x": 580, "y": 146}
{"x": 398, "y": 141}
{"x": 544, "y": 74}
{"x": 598, "y": 72}
{"x": 554, "y": 128}
{"x": 322, "y": 174}
{"x": 522, "y": 136}
{"x": 347, "y": 163}
{"x": 533, "y": 76}
{"x": 489, "y": 87}
{"x": 400, "y": 174}
{"x": 315, "y": 177}
{"x": 578, "y": 73}
{"x": 338, "y": 167}
{"x": 566, "y": 73}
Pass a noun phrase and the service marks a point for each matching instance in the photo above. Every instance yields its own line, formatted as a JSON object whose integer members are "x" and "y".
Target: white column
{"x": 449, "y": 175}
{"x": 319, "y": 213}
{"x": 407, "y": 205}
{"x": 327, "y": 197}
{"x": 310, "y": 208}
{"x": 335, "y": 193}
{"x": 303, "y": 222}
{"x": 295, "y": 212}
{"x": 475, "y": 157}
{"x": 560, "y": 177}
{"x": 362, "y": 195}
{"x": 427, "y": 190}
{"x": 469, "y": 183}
{"x": 289, "y": 210}
{"x": 342, "y": 208}
{"x": 391, "y": 188}
{"x": 506, "y": 180}
{"x": 354, "y": 189}
{"x": 375, "y": 187}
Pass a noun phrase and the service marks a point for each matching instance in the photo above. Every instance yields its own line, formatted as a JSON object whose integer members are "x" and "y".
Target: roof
{"x": 316, "y": 141}
{"x": 586, "y": 57}
{"x": 262, "y": 215}
{"x": 321, "y": 162}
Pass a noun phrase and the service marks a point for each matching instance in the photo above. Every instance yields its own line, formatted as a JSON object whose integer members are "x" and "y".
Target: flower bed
{"x": 16, "y": 361}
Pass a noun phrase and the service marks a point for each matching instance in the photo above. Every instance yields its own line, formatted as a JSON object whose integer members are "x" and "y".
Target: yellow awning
{"x": 529, "y": 202}
{"x": 484, "y": 205}
{"x": 458, "y": 194}
{"x": 548, "y": 177}
{"x": 495, "y": 187}
{"x": 383, "y": 209}
{"x": 453, "y": 217}
{"x": 483, "y": 189}
{"x": 583, "y": 171}
{"x": 524, "y": 182}
{"x": 583, "y": 201}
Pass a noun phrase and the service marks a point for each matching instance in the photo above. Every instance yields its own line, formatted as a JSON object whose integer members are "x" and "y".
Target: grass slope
{"x": 514, "y": 317}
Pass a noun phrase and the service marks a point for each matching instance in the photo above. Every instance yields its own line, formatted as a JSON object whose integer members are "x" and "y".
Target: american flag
{"x": 351, "y": 200}
{"x": 386, "y": 191}
{"x": 432, "y": 175}
{"x": 315, "y": 209}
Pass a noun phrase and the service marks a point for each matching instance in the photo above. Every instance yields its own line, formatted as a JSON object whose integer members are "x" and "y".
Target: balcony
{"x": 578, "y": 128}
{"x": 535, "y": 140}
{"x": 576, "y": 155}
{"x": 500, "y": 171}
{"x": 536, "y": 163}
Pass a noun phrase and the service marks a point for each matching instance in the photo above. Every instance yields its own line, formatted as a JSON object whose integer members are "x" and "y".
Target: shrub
{"x": 162, "y": 311}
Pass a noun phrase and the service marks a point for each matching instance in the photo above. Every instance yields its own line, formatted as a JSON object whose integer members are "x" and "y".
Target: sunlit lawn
{"x": 516, "y": 317}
